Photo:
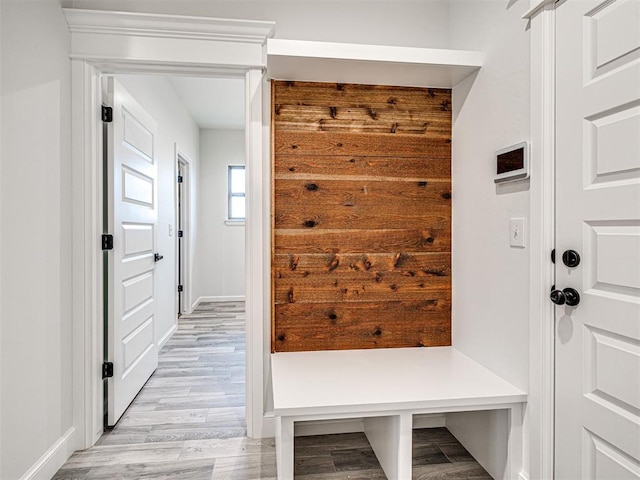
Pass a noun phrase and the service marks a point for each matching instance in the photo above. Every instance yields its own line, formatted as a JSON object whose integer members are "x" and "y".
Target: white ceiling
{"x": 212, "y": 102}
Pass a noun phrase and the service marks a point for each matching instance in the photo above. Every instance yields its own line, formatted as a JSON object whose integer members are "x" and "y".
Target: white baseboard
{"x": 430, "y": 420}
{"x": 165, "y": 338}
{"x": 328, "y": 427}
{"x": 220, "y": 298}
{"x": 47, "y": 465}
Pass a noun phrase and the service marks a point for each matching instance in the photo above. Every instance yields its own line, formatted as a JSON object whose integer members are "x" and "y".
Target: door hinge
{"x": 180, "y": 234}
{"x": 107, "y": 370}
{"x": 107, "y": 241}
{"x": 179, "y": 178}
{"x": 107, "y": 114}
{"x": 180, "y": 288}
{"x": 553, "y": 256}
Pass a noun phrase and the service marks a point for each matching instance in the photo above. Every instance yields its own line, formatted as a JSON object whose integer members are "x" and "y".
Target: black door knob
{"x": 571, "y": 296}
{"x": 571, "y": 258}
{"x": 557, "y": 297}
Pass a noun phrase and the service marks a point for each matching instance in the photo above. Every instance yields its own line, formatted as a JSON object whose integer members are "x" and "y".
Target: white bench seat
{"x": 387, "y": 387}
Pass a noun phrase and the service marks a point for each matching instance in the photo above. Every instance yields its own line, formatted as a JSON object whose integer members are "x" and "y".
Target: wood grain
{"x": 313, "y": 167}
{"x": 360, "y": 278}
{"x": 384, "y": 324}
{"x": 360, "y": 144}
{"x": 361, "y": 250}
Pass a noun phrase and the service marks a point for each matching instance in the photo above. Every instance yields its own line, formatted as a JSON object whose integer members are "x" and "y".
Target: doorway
{"x": 181, "y": 159}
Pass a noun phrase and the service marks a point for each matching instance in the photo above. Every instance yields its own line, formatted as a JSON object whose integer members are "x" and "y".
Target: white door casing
{"x": 597, "y": 420}
{"x": 132, "y": 218}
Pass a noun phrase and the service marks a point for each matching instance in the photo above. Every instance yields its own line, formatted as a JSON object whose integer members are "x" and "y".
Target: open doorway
{"x": 201, "y": 354}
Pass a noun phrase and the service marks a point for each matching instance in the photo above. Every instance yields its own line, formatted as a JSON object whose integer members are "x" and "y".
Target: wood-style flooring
{"x": 188, "y": 423}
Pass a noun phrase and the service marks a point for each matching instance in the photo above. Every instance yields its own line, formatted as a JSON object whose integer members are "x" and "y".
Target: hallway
{"x": 188, "y": 422}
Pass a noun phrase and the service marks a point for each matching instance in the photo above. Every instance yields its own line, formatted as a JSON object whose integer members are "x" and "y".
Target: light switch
{"x": 517, "y": 232}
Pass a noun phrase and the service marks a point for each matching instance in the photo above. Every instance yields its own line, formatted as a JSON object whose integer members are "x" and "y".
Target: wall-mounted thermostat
{"x": 512, "y": 163}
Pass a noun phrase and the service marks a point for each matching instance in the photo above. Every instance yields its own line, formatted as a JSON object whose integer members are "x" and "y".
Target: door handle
{"x": 568, "y": 296}
{"x": 157, "y": 257}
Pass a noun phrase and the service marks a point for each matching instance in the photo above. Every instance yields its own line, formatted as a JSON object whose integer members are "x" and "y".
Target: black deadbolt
{"x": 571, "y": 258}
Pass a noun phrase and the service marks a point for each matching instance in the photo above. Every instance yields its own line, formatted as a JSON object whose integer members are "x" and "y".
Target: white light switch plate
{"x": 517, "y": 233}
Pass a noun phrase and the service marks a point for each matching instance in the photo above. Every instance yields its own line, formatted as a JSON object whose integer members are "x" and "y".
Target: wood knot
{"x": 429, "y": 239}
{"x": 367, "y": 263}
{"x": 372, "y": 113}
{"x": 431, "y": 92}
{"x": 292, "y": 169}
{"x": 334, "y": 262}
{"x": 448, "y": 140}
{"x": 339, "y": 144}
{"x": 378, "y": 278}
{"x": 446, "y": 196}
{"x": 290, "y": 297}
{"x": 312, "y": 187}
{"x": 422, "y": 184}
{"x": 394, "y": 287}
{"x": 294, "y": 147}
{"x": 353, "y": 160}
{"x": 333, "y": 316}
{"x": 444, "y": 106}
{"x": 394, "y": 128}
{"x": 340, "y": 87}
{"x": 310, "y": 223}
{"x": 400, "y": 259}
{"x": 277, "y": 109}
{"x": 293, "y": 262}
{"x": 392, "y": 101}
{"x": 377, "y": 332}
{"x": 333, "y": 111}
{"x": 281, "y": 338}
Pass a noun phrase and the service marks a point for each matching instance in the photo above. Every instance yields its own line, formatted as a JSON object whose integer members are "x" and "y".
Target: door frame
{"x": 182, "y": 254}
{"x": 104, "y": 42}
{"x": 540, "y": 409}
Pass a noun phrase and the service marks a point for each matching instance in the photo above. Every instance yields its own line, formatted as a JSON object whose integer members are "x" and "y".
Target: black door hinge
{"x": 107, "y": 370}
{"x": 107, "y": 241}
{"x": 179, "y": 178}
{"x": 553, "y": 256}
{"x": 180, "y": 288}
{"x": 107, "y": 114}
{"x": 180, "y": 234}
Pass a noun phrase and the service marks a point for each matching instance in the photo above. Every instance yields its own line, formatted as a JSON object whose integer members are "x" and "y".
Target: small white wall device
{"x": 512, "y": 163}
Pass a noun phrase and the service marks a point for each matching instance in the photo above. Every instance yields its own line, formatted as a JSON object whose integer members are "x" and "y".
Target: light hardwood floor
{"x": 188, "y": 423}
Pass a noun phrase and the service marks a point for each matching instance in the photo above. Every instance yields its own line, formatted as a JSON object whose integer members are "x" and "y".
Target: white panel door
{"x": 598, "y": 215}
{"x": 133, "y": 208}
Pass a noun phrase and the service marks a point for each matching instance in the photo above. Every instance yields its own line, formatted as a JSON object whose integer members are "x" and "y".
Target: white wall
{"x": 219, "y": 256}
{"x": 35, "y": 201}
{"x": 175, "y": 125}
{"x": 378, "y": 22}
{"x": 490, "y": 278}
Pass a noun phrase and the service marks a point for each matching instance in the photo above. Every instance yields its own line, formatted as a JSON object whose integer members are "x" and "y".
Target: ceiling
{"x": 212, "y": 102}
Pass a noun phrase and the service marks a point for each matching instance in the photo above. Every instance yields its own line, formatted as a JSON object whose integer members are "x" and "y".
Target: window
{"x": 236, "y": 193}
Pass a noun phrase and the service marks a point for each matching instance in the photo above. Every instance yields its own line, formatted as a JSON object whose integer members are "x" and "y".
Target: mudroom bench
{"x": 387, "y": 387}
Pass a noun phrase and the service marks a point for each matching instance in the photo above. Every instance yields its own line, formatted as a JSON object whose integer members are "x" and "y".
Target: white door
{"x": 598, "y": 215}
{"x": 132, "y": 192}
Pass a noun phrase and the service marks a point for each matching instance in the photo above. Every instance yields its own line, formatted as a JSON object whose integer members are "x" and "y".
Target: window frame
{"x": 230, "y": 194}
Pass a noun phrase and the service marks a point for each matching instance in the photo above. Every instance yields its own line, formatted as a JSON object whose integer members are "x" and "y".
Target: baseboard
{"x": 220, "y": 298}
{"x": 435, "y": 420}
{"x": 47, "y": 465}
{"x": 165, "y": 338}
{"x": 328, "y": 427}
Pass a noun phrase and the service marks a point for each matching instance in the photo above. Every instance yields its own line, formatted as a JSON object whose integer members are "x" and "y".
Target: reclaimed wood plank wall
{"x": 361, "y": 250}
